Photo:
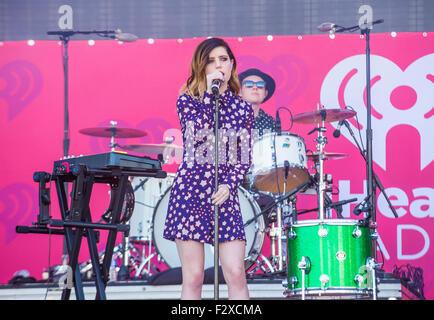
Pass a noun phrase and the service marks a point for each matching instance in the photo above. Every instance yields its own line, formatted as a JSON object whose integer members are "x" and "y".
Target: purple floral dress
{"x": 190, "y": 214}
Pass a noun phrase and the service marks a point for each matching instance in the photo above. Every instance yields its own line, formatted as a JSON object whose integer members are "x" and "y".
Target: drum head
{"x": 274, "y": 155}
{"x": 147, "y": 192}
{"x": 254, "y": 232}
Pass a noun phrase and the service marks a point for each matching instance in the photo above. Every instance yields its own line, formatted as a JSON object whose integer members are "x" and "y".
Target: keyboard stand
{"x": 77, "y": 222}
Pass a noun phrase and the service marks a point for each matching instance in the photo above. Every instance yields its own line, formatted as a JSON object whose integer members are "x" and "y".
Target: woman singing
{"x": 190, "y": 216}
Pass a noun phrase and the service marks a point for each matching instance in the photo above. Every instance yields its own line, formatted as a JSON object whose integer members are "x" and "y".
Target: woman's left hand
{"x": 221, "y": 195}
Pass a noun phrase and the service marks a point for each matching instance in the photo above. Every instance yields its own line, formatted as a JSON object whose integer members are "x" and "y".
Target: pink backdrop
{"x": 137, "y": 84}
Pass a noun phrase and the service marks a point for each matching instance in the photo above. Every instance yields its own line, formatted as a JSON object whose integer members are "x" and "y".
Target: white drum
{"x": 255, "y": 233}
{"x": 272, "y": 154}
{"x": 148, "y": 191}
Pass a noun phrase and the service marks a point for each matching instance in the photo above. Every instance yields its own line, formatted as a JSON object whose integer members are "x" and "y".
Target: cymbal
{"x": 149, "y": 148}
{"x": 328, "y": 155}
{"x": 329, "y": 115}
{"x": 115, "y": 132}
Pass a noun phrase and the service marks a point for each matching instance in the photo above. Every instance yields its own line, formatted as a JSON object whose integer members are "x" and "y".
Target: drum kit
{"x": 323, "y": 257}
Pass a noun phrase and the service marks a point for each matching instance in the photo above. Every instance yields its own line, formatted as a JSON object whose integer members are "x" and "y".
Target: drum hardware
{"x": 135, "y": 263}
{"x": 276, "y": 230}
{"x": 113, "y": 132}
{"x": 263, "y": 264}
{"x": 164, "y": 149}
{"x": 328, "y": 155}
{"x": 320, "y": 117}
{"x": 124, "y": 270}
{"x": 371, "y": 267}
{"x": 306, "y": 184}
{"x": 304, "y": 266}
{"x": 321, "y": 142}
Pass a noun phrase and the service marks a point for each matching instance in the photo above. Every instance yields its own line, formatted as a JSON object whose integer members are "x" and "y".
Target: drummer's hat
{"x": 270, "y": 84}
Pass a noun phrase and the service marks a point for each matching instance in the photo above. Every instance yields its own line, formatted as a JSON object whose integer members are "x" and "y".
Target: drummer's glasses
{"x": 250, "y": 84}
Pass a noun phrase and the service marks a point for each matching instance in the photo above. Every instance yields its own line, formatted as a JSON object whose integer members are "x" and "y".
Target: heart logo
{"x": 290, "y": 73}
{"x": 19, "y": 206}
{"x": 398, "y": 97}
{"x": 22, "y": 83}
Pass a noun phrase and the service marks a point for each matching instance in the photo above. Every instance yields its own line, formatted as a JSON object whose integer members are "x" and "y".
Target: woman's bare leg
{"x": 232, "y": 255}
{"x": 191, "y": 253}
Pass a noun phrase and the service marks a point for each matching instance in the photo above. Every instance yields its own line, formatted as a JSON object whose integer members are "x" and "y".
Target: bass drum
{"x": 147, "y": 193}
{"x": 255, "y": 233}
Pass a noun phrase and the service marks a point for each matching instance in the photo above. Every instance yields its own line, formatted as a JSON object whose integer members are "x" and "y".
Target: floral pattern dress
{"x": 190, "y": 214}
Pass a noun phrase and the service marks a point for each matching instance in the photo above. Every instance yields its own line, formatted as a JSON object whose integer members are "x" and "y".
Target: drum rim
{"x": 283, "y": 133}
{"x": 259, "y": 228}
{"x": 329, "y": 290}
{"x": 331, "y": 222}
{"x": 154, "y": 242}
{"x": 249, "y": 255}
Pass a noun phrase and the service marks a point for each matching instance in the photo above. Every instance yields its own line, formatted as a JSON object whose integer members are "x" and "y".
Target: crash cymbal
{"x": 115, "y": 132}
{"x": 329, "y": 115}
{"x": 149, "y": 148}
{"x": 328, "y": 155}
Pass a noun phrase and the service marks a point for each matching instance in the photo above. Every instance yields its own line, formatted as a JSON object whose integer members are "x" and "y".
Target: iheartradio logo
{"x": 20, "y": 83}
{"x": 398, "y": 97}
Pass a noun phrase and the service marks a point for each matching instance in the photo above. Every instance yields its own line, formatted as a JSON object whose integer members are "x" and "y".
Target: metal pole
{"x": 370, "y": 182}
{"x": 66, "y": 140}
{"x": 216, "y": 209}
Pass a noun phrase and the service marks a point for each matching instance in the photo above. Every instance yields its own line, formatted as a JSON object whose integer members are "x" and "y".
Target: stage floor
{"x": 260, "y": 289}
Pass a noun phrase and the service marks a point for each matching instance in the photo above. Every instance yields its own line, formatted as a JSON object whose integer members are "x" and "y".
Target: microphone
{"x": 328, "y": 26}
{"x": 215, "y": 86}
{"x": 359, "y": 208}
{"x": 337, "y": 132}
{"x": 125, "y": 37}
{"x": 278, "y": 125}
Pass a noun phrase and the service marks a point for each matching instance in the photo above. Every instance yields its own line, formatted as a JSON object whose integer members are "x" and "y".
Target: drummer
{"x": 256, "y": 88}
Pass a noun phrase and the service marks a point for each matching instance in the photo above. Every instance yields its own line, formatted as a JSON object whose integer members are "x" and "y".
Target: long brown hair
{"x": 196, "y": 82}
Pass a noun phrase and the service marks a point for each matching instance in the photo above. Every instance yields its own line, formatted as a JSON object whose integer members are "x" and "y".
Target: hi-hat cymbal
{"x": 328, "y": 155}
{"x": 115, "y": 132}
{"x": 149, "y": 148}
{"x": 328, "y": 115}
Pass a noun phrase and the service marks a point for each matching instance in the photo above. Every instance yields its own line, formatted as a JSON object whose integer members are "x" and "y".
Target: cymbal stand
{"x": 276, "y": 231}
{"x": 113, "y": 124}
{"x": 321, "y": 142}
{"x": 276, "y": 240}
{"x": 124, "y": 270}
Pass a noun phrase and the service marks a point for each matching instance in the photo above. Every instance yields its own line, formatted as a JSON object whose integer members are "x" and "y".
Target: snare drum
{"x": 255, "y": 232}
{"x": 269, "y": 155}
{"x": 330, "y": 257}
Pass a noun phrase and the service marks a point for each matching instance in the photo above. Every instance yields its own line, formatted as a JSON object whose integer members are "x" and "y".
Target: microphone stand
{"x": 64, "y": 36}
{"x": 371, "y": 205}
{"x": 216, "y": 183}
{"x": 377, "y": 180}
